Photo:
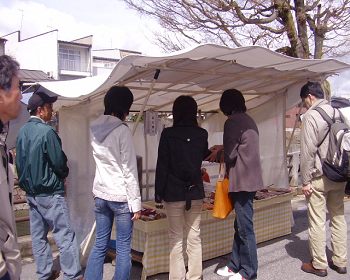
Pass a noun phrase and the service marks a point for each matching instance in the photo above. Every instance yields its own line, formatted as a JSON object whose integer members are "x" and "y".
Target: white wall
{"x": 39, "y": 53}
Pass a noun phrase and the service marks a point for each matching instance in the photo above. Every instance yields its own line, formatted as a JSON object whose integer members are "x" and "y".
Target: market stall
{"x": 269, "y": 81}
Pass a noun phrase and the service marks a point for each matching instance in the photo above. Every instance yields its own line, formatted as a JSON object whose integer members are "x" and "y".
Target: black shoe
{"x": 54, "y": 275}
{"x": 340, "y": 270}
{"x": 309, "y": 268}
{"x": 347, "y": 188}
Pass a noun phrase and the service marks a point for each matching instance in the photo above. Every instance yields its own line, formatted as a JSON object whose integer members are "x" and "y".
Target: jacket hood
{"x": 103, "y": 126}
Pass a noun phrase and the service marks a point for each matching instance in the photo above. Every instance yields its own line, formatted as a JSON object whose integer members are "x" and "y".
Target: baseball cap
{"x": 38, "y": 99}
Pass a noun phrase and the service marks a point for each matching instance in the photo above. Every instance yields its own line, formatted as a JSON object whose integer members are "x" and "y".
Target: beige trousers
{"x": 186, "y": 224}
{"x": 327, "y": 195}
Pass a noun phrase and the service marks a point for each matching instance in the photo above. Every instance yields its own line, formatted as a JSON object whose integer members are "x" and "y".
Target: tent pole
{"x": 146, "y": 167}
{"x": 86, "y": 246}
{"x": 295, "y": 125}
{"x": 156, "y": 75}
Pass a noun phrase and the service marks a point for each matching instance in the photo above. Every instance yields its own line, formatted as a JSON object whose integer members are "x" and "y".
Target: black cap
{"x": 38, "y": 99}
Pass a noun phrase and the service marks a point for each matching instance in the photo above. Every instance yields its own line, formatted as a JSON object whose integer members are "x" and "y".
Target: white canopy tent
{"x": 203, "y": 72}
{"x": 269, "y": 81}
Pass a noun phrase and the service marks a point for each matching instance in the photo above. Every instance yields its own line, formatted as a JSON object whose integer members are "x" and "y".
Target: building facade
{"x": 60, "y": 60}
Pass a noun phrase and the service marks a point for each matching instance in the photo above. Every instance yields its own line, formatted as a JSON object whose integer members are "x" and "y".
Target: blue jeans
{"x": 51, "y": 213}
{"x": 244, "y": 257}
{"x": 105, "y": 213}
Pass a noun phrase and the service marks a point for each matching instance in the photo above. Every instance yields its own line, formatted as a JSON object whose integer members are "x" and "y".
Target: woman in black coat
{"x": 179, "y": 185}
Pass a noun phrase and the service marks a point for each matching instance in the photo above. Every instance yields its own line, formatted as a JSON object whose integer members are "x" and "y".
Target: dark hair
{"x": 185, "y": 111}
{"x": 313, "y": 88}
{"x": 8, "y": 69}
{"x": 232, "y": 101}
{"x": 33, "y": 112}
{"x": 118, "y": 101}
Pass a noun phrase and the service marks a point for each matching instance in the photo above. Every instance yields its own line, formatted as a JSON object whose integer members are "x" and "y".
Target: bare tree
{"x": 299, "y": 28}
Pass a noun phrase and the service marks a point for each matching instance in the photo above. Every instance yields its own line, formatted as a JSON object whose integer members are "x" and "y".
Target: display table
{"x": 272, "y": 218}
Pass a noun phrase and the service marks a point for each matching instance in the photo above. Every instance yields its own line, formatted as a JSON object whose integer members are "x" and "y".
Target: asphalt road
{"x": 280, "y": 258}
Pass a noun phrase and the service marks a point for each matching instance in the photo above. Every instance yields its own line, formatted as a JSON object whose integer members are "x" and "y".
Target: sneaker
{"x": 225, "y": 271}
{"x": 237, "y": 276}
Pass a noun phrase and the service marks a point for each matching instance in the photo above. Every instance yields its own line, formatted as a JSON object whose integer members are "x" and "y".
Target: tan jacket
{"x": 10, "y": 259}
{"x": 313, "y": 130}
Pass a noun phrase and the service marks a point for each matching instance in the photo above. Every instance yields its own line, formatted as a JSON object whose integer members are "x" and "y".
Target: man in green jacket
{"x": 42, "y": 169}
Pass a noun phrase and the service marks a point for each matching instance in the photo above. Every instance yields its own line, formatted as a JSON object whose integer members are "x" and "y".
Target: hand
{"x": 136, "y": 216}
{"x": 214, "y": 153}
{"x": 217, "y": 148}
{"x": 307, "y": 189}
{"x": 212, "y": 157}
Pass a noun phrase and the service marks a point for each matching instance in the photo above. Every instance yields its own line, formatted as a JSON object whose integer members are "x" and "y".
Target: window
{"x": 69, "y": 59}
{"x": 109, "y": 65}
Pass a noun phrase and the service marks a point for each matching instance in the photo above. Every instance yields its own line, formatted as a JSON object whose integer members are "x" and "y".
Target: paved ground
{"x": 280, "y": 258}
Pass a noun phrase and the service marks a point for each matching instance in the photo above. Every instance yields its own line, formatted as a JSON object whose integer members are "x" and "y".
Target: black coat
{"x": 180, "y": 154}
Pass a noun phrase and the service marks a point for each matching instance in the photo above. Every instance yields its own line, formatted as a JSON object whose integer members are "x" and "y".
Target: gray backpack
{"x": 336, "y": 165}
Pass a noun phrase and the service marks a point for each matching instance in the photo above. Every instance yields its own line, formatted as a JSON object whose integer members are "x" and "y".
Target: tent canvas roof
{"x": 203, "y": 72}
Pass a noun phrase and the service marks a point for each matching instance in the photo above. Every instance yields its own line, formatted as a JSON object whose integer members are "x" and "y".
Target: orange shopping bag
{"x": 222, "y": 202}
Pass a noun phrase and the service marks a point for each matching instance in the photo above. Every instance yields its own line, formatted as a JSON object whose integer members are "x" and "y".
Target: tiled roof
{"x": 26, "y": 75}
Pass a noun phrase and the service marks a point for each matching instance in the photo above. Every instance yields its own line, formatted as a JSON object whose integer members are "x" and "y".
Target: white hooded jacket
{"x": 116, "y": 169}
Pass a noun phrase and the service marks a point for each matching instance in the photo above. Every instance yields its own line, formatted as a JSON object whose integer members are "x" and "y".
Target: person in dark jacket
{"x": 242, "y": 159}
{"x": 179, "y": 184}
{"x": 42, "y": 169}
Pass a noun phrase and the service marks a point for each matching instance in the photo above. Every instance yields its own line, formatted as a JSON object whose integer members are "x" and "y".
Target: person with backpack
{"x": 320, "y": 191}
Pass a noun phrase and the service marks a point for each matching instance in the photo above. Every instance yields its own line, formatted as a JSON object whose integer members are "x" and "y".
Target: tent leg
{"x": 86, "y": 246}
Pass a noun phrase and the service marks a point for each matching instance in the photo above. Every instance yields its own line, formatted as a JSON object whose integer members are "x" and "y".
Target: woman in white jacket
{"x": 116, "y": 189}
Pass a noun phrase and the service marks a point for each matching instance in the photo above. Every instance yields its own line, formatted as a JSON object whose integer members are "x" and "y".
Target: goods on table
{"x": 270, "y": 192}
{"x": 148, "y": 214}
{"x": 208, "y": 201}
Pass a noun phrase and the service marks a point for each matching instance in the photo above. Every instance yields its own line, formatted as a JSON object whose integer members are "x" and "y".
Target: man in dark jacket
{"x": 42, "y": 169}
